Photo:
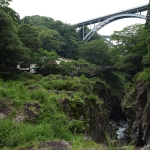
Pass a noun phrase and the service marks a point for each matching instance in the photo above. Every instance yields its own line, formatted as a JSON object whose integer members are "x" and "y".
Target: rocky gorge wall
{"x": 136, "y": 106}
{"x": 98, "y": 115}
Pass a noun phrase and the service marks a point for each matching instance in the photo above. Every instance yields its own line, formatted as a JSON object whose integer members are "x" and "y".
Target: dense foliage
{"x": 95, "y": 52}
{"x": 12, "y": 49}
{"x": 28, "y": 37}
{"x": 131, "y": 46}
{"x": 5, "y": 2}
{"x": 55, "y": 35}
{"x": 131, "y": 53}
{"x": 43, "y": 41}
{"x": 147, "y": 24}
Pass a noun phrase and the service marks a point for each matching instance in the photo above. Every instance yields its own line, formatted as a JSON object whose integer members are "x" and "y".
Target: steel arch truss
{"x": 109, "y": 20}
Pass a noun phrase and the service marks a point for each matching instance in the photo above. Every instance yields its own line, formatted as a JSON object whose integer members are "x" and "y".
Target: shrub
{"x": 144, "y": 75}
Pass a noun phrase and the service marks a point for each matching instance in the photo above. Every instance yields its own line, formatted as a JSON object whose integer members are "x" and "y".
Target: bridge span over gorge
{"x": 102, "y": 21}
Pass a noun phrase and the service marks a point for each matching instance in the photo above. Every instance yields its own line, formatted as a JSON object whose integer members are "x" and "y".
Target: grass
{"x": 51, "y": 123}
{"x": 50, "y": 94}
{"x": 80, "y": 144}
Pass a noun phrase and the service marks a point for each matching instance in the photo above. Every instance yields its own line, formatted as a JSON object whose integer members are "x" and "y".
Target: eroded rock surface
{"x": 5, "y": 107}
{"x": 136, "y": 106}
{"x": 55, "y": 145}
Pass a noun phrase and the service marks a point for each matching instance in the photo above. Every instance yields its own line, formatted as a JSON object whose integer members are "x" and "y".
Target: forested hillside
{"x": 82, "y": 92}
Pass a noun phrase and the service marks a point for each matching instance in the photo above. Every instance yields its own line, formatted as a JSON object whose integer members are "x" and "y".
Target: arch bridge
{"x": 104, "y": 20}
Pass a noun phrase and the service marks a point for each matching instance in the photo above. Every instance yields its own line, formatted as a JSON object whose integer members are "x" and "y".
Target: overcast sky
{"x": 74, "y": 11}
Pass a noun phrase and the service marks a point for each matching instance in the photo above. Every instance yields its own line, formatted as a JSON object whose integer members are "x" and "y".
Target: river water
{"x": 121, "y": 131}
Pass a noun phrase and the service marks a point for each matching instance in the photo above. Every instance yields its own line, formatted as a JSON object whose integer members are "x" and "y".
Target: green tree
{"x": 39, "y": 21}
{"x": 46, "y": 62}
{"x": 4, "y": 5}
{"x": 70, "y": 39}
{"x": 29, "y": 36}
{"x": 49, "y": 39}
{"x": 95, "y": 52}
{"x": 15, "y": 16}
{"x": 11, "y": 49}
{"x": 147, "y": 24}
{"x": 63, "y": 37}
{"x": 146, "y": 58}
{"x": 131, "y": 46}
{"x": 4, "y": 2}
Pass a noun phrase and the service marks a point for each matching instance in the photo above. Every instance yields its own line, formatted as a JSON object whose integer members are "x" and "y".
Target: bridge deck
{"x": 102, "y": 18}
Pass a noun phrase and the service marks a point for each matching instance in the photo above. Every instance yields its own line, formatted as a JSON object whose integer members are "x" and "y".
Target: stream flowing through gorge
{"x": 121, "y": 129}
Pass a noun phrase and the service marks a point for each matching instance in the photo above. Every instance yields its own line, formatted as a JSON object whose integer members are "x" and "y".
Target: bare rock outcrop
{"x": 136, "y": 105}
{"x": 5, "y": 107}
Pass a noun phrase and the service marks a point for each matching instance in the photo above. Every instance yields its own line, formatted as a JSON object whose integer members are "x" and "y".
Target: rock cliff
{"x": 98, "y": 114}
{"x": 136, "y": 106}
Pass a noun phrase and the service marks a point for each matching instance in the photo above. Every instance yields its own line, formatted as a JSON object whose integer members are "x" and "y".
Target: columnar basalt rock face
{"x": 136, "y": 105}
{"x": 96, "y": 115}
{"x": 98, "y": 123}
{"x": 102, "y": 116}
